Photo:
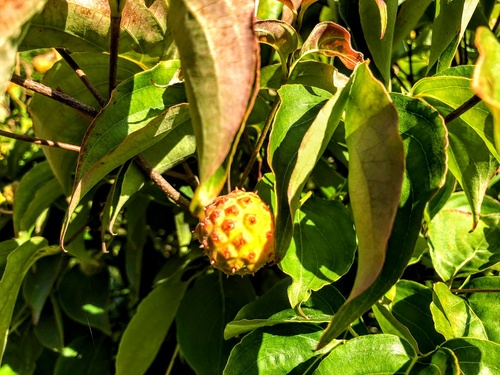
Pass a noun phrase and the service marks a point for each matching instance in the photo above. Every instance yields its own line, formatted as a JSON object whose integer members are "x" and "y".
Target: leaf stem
{"x": 163, "y": 184}
{"x": 113, "y": 51}
{"x": 260, "y": 141}
{"x": 41, "y": 142}
{"x": 172, "y": 360}
{"x": 462, "y": 109}
{"x": 53, "y": 94}
{"x": 474, "y": 290}
{"x": 83, "y": 77}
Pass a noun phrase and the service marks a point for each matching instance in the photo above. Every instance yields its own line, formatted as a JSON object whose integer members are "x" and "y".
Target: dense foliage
{"x": 370, "y": 127}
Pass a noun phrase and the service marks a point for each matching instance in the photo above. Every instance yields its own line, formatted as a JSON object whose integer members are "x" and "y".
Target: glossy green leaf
{"x": 475, "y": 356}
{"x": 330, "y": 39}
{"x": 455, "y": 251}
{"x": 36, "y": 192}
{"x": 218, "y": 50}
{"x": 18, "y": 264}
{"x": 485, "y": 304}
{"x": 322, "y": 249}
{"x": 273, "y": 308}
{"x": 15, "y": 20}
{"x": 291, "y": 125}
{"x": 85, "y": 298}
{"x": 204, "y": 312}
{"x": 269, "y": 9}
{"x": 390, "y": 325}
{"x": 289, "y": 349}
{"x": 452, "y": 88}
{"x": 38, "y": 284}
{"x": 411, "y": 306}
{"x": 148, "y": 328}
{"x": 375, "y": 354}
{"x": 67, "y": 24}
{"x": 424, "y": 138}
{"x": 55, "y": 128}
{"x": 135, "y": 119}
{"x": 485, "y": 82}
{"x": 378, "y": 19}
{"x": 439, "y": 200}
{"x": 453, "y": 317}
{"x": 441, "y": 362}
{"x": 85, "y": 355}
{"x": 450, "y": 22}
{"x": 307, "y": 73}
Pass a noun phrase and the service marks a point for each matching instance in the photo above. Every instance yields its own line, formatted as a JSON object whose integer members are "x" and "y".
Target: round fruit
{"x": 237, "y": 233}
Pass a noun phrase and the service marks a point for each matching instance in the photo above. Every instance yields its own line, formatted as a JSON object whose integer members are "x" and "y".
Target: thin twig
{"x": 83, "y": 77}
{"x": 260, "y": 142}
{"x": 462, "y": 109}
{"x": 56, "y": 95}
{"x": 474, "y": 290}
{"x": 41, "y": 142}
{"x": 163, "y": 184}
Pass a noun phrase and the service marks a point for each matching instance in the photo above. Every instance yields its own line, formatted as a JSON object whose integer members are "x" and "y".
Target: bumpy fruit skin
{"x": 237, "y": 233}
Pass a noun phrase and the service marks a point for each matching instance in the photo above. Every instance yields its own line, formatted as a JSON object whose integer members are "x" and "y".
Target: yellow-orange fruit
{"x": 237, "y": 233}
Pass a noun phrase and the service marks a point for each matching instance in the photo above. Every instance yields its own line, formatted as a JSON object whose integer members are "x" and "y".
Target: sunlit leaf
{"x": 453, "y": 317}
{"x": 457, "y": 252}
{"x": 333, "y": 40}
{"x": 442, "y": 361}
{"x": 409, "y": 14}
{"x": 486, "y": 79}
{"x": 373, "y": 354}
{"x": 475, "y": 356}
{"x": 218, "y": 50}
{"x": 278, "y": 34}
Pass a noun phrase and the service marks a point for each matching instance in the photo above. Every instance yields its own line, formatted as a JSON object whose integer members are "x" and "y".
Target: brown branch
{"x": 462, "y": 109}
{"x": 41, "y": 142}
{"x": 113, "y": 51}
{"x": 81, "y": 74}
{"x": 475, "y": 290}
{"x": 53, "y": 94}
{"x": 163, "y": 184}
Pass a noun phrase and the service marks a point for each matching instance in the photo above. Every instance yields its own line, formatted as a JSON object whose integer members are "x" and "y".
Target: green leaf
{"x": 147, "y": 329}
{"x": 322, "y": 250}
{"x": 455, "y": 251}
{"x": 279, "y": 35}
{"x": 38, "y": 284}
{"x": 18, "y": 264}
{"x": 475, "y": 356}
{"x": 49, "y": 330}
{"x": 411, "y": 306}
{"x": 379, "y": 42}
{"x": 22, "y": 352}
{"x": 85, "y": 355}
{"x": 424, "y": 138}
{"x": 204, "y": 312}
{"x": 441, "y": 362}
{"x": 269, "y": 9}
{"x": 485, "y": 82}
{"x": 274, "y": 308}
{"x": 485, "y": 304}
{"x": 218, "y": 50}
{"x": 67, "y": 24}
{"x": 439, "y": 200}
{"x": 292, "y": 124}
{"x": 85, "y": 298}
{"x": 135, "y": 119}
{"x": 307, "y": 73}
{"x": 330, "y": 39}
{"x": 289, "y": 349}
{"x": 16, "y": 16}
{"x": 36, "y": 192}
{"x": 375, "y": 354}
{"x": 390, "y": 325}
{"x": 453, "y": 317}
{"x": 409, "y": 14}
{"x": 55, "y": 128}
{"x": 450, "y": 22}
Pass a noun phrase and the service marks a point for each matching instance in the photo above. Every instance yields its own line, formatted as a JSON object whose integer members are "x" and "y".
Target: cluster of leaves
{"x": 375, "y": 131}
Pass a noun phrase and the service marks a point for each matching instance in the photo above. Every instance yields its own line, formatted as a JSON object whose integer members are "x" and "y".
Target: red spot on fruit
{"x": 215, "y": 237}
{"x": 251, "y": 256}
{"x": 226, "y": 254}
{"x": 269, "y": 234}
{"x": 251, "y": 219}
{"x": 227, "y": 225}
{"x": 232, "y": 210}
{"x": 239, "y": 242}
{"x": 214, "y": 215}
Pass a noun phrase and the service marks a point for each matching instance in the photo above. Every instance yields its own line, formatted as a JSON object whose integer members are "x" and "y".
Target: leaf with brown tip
{"x": 218, "y": 52}
{"x": 331, "y": 39}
